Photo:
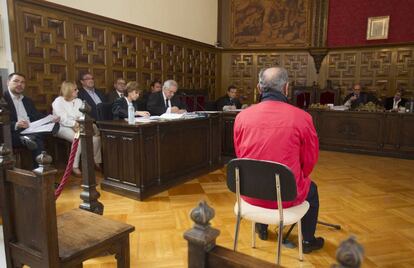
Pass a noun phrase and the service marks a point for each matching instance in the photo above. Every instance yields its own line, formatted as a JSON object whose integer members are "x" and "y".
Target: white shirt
{"x": 18, "y": 105}
{"x": 169, "y": 103}
{"x": 395, "y": 104}
{"x": 67, "y": 110}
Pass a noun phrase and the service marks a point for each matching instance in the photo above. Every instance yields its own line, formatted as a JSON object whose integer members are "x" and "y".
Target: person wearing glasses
{"x": 166, "y": 101}
{"x": 67, "y": 107}
{"x": 90, "y": 94}
{"x": 119, "y": 90}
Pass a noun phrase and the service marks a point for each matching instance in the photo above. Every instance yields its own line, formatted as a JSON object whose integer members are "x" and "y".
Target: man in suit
{"x": 22, "y": 112}
{"x": 142, "y": 101}
{"x": 89, "y": 93}
{"x": 119, "y": 90}
{"x": 229, "y": 101}
{"x": 357, "y": 97}
{"x": 394, "y": 103}
{"x": 165, "y": 100}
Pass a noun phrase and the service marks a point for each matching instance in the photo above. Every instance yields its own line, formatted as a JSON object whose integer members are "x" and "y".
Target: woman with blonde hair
{"x": 67, "y": 107}
{"x": 120, "y": 106}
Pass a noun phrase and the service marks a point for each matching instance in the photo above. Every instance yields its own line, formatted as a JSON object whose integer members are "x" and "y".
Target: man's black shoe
{"x": 28, "y": 142}
{"x": 261, "y": 230}
{"x": 315, "y": 244}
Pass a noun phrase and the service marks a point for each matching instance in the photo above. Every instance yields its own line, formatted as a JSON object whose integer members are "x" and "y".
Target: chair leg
{"x": 253, "y": 234}
{"x": 300, "y": 240}
{"x": 236, "y": 235}
{"x": 122, "y": 256}
{"x": 279, "y": 242}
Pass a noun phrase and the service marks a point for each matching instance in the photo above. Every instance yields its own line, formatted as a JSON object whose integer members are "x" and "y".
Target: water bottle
{"x": 131, "y": 114}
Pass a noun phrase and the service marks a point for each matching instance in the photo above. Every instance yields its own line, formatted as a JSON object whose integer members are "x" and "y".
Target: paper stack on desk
{"x": 340, "y": 108}
{"x": 171, "y": 116}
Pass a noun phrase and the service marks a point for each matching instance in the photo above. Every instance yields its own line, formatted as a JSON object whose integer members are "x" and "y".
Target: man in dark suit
{"x": 89, "y": 93}
{"x": 165, "y": 100}
{"x": 142, "y": 101}
{"x": 394, "y": 103}
{"x": 22, "y": 112}
{"x": 229, "y": 101}
{"x": 119, "y": 90}
{"x": 357, "y": 97}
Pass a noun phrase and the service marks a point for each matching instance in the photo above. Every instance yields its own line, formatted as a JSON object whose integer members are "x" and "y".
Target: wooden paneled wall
{"x": 242, "y": 68}
{"x": 381, "y": 69}
{"x": 52, "y": 43}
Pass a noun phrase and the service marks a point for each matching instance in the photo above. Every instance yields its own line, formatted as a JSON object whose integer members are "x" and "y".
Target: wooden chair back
{"x": 29, "y": 214}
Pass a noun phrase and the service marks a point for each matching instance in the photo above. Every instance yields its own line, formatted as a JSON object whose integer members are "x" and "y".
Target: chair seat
{"x": 271, "y": 216}
{"x": 81, "y": 232}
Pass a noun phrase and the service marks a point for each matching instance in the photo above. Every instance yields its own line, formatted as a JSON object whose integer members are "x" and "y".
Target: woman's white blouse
{"x": 67, "y": 110}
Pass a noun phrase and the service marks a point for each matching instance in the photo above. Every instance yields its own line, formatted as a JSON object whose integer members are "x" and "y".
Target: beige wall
{"x": 193, "y": 19}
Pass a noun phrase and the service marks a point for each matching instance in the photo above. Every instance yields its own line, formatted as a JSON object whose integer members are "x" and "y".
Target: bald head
{"x": 273, "y": 79}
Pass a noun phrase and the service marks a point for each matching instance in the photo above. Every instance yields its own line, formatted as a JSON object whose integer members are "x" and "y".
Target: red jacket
{"x": 277, "y": 131}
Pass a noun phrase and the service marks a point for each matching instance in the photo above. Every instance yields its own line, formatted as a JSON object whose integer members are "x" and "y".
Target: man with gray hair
{"x": 165, "y": 101}
{"x": 274, "y": 130}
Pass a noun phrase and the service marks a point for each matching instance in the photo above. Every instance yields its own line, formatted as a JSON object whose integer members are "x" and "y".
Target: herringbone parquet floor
{"x": 370, "y": 197}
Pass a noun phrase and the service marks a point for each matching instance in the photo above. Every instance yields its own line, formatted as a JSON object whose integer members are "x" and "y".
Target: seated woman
{"x": 67, "y": 107}
{"x": 120, "y": 106}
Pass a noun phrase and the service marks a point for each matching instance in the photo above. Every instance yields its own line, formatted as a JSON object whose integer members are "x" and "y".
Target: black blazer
{"x": 112, "y": 96}
{"x": 120, "y": 108}
{"x": 83, "y": 95}
{"x": 225, "y": 100}
{"x": 389, "y": 102}
{"x": 156, "y": 103}
{"x": 28, "y": 104}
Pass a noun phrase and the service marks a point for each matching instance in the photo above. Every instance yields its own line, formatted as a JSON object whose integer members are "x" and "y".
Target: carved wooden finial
{"x": 349, "y": 254}
{"x": 44, "y": 161}
{"x": 3, "y": 104}
{"x": 202, "y": 215}
{"x": 4, "y": 151}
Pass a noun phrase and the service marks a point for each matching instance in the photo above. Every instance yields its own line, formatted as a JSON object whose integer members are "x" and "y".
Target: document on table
{"x": 42, "y": 125}
{"x": 171, "y": 116}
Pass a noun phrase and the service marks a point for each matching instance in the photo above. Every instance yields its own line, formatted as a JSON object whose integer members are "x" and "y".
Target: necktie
{"x": 167, "y": 103}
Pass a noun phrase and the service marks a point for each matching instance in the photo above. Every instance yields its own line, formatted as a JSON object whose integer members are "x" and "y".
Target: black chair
{"x": 269, "y": 181}
{"x": 104, "y": 111}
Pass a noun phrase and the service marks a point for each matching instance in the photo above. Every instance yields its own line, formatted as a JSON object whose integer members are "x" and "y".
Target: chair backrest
{"x": 104, "y": 111}
{"x": 29, "y": 216}
{"x": 303, "y": 96}
{"x": 257, "y": 179}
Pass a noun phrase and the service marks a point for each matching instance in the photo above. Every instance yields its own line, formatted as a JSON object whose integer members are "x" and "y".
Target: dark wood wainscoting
{"x": 387, "y": 134}
{"x": 147, "y": 158}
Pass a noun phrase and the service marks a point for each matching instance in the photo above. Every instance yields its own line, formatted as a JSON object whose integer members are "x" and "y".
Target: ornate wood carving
{"x": 55, "y": 43}
{"x": 381, "y": 70}
{"x": 246, "y": 66}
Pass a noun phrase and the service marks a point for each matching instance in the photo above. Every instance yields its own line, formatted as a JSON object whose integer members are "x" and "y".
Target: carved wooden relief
{"x": 381, "y": 71}
{"x": 270, "y": 23}
{"x": 54, "y": 44}
{"x": 245, "y": 68}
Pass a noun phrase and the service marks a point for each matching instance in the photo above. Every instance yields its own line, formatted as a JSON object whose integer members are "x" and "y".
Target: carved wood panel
{"x": 245, "y": 67}
{"x": 54, "y": 44}
{"x": 380, "y": 70}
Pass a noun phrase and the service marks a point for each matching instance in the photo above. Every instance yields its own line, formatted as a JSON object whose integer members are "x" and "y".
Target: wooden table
{"x": 383, "y": 133}
{"x": 147, "y": 158}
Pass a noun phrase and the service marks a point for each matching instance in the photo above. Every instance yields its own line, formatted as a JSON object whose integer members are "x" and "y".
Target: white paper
{"x": 43, "y": 128}
{"x": 42, "y": 125}
{"x": 171, "y": 116}
{"x": 340, "y": 108}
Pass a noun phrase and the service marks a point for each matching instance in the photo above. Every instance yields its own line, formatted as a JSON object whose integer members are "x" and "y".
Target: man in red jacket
{"x": 277, "y": 131}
